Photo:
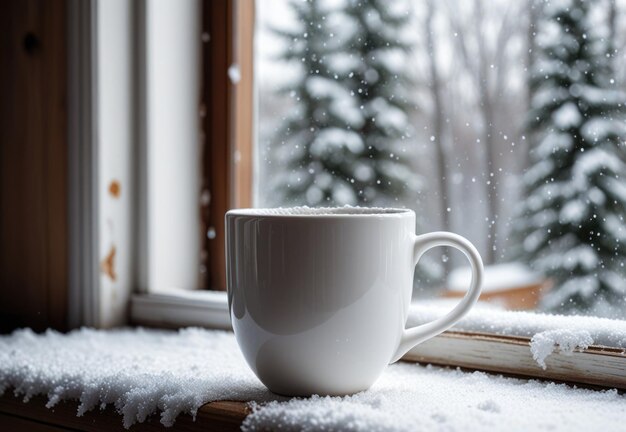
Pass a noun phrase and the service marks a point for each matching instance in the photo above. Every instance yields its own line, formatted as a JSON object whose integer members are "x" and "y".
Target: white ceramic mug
{"x": 319, "y": 298}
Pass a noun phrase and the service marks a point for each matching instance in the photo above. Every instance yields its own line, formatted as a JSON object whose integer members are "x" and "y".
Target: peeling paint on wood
{"x": 115, "y": 189}
{"x": 107, "y": 266}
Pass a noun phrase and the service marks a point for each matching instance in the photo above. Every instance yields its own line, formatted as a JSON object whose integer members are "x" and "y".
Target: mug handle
{"x": 416, "y": 335}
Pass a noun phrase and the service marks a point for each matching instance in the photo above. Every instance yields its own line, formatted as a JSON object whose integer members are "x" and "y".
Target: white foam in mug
{"x": 319, "y": 297}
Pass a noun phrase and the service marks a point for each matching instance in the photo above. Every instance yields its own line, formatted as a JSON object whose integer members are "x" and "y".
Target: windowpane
{"x": 501, "y": 121}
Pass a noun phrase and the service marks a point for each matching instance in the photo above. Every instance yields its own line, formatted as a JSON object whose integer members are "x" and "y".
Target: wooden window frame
{"x": 228, "y": 124}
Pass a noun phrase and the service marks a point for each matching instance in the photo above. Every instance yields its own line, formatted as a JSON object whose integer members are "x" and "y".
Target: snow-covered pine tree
{"x": 376, "y": 72}
{"x": 572, "y": 222}
{"x": 342, "y": 143}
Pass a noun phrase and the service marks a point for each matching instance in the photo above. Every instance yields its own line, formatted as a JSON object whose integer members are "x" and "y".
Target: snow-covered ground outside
{"x": 142, "y": 372}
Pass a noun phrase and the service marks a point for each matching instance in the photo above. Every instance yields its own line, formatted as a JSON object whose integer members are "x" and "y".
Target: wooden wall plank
{"x": 33, "y": 165}
{"x": 228, "y": 122}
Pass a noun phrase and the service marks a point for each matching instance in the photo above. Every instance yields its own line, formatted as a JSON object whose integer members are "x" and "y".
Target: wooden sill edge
{"x": 525, "y": 341}
{"x": 595, "y": 366}
{"x": 214, "y": 416}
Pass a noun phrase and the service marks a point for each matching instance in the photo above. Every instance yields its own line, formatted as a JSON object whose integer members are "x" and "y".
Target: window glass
{"x": 502, "y": 121}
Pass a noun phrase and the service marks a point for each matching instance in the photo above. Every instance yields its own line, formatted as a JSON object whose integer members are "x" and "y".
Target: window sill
{"x": 181, "y": 309}
{"x": 473, "y": 395}
{"x": 34, "y": 416}
{"x": 595, "y": 365}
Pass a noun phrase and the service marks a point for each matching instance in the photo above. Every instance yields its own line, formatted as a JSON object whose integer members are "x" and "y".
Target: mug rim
{"x": 324, "y": 212}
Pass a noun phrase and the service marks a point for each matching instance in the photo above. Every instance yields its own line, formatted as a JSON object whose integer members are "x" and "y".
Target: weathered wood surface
{"x": 597, "y": 366}
{"x": 222, "y": 416}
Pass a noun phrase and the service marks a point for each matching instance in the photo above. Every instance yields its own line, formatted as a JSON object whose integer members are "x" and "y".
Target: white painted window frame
{"x": 169, "y": 98}
{"x": 100, "y": 302}
{"x": 101, "y": 135}
{"x": 119, "y": 134}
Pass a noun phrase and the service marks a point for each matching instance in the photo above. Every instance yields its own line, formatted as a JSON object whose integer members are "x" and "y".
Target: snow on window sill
{"x": 547, "y": 333}
{"x": 148, "y": 375}
{"x": 579, "y": 331}
{"x": 586, "y": 350}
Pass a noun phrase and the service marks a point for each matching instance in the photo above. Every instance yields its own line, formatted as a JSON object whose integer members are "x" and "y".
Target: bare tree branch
{"x": 438, "y": 118}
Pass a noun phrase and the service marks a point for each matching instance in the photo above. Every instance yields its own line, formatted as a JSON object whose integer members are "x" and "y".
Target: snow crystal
{"x": 142, "y": 372}
{"x": 564, "y": 340}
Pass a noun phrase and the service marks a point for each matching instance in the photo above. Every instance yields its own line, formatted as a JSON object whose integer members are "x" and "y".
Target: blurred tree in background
{"x": 571, "y": 225}
{"x": 342, "y": 143}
